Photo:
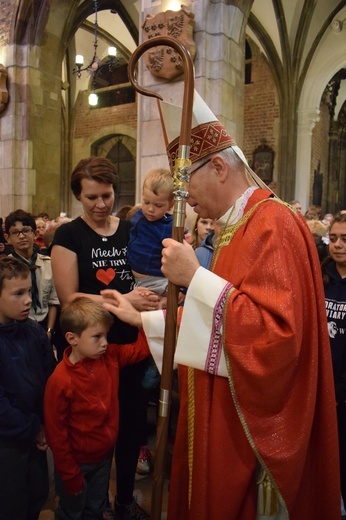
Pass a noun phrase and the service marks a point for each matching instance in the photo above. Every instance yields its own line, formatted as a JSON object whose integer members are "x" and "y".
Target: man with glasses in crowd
{"x": 20, "y": 231}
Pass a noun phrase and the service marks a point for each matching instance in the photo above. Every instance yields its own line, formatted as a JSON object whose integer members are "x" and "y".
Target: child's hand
{"x": 117, "y": 304}
{"x": 163, "y": 302}
{"x": 142, "y": 299}
{"x": 40, "y": 440}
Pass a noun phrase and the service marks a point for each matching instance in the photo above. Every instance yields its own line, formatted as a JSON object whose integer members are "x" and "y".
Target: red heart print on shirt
{"x": 105, "y": 275}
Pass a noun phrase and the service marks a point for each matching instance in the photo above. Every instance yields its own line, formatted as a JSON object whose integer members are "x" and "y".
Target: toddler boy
{"x": 26, "y": 361}
{"x": 81, "y": 408}
{"x": 150, "y": 225}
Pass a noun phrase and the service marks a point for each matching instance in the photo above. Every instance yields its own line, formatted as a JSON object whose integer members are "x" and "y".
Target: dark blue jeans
{"x": 90, "y": 504}
{"x": 24, "y": 484}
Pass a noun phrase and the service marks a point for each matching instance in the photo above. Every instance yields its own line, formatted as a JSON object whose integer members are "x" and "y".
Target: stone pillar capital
{"x": 307, "y": 119}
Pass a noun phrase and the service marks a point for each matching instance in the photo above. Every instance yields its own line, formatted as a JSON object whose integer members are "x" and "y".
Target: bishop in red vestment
{"x": 273, "y": 417}
{"x": 256, "y": 436}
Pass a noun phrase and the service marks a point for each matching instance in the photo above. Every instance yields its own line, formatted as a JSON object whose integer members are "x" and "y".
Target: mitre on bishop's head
{"x": 208, "y": 135}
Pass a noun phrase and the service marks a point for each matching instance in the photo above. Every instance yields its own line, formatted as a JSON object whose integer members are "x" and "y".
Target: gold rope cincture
{"x": 268, "y": 494}
{"x": 191, "y": 422}
{"x": 191, "y": 411}
{"x": 267, "y": 499}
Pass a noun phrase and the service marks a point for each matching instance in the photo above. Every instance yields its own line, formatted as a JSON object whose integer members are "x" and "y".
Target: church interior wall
{"x": 38, "y": 148}
{"x": 320, "y": 151}
{"x": 261, "y": 109}
{"x": 92, "y": 125}
{"x": 89, "y": 120}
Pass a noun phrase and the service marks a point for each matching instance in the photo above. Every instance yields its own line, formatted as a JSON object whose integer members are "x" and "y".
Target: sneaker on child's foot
{"x": 130, "y": 512}
{"x": 144, "y": 461}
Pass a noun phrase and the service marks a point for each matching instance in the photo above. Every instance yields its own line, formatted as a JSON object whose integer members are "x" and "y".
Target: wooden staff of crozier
{"x": 181, "y": 178}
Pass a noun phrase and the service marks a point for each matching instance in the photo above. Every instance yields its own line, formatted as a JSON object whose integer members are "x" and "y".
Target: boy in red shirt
{"x": 81, "y": 408}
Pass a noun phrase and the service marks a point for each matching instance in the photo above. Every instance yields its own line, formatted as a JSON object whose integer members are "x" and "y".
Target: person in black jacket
{"x": 334, "y": 273}
{"x": 26, "y": 362}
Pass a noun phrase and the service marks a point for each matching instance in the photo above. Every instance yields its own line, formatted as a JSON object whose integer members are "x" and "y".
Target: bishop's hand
{"x": 117, "y": 304}
{"x": 179, "y": 262}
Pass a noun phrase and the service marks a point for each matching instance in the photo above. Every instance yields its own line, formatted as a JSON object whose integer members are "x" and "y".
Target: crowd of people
{"x": 260, "y": 347}
{"x": 84, "y": 256}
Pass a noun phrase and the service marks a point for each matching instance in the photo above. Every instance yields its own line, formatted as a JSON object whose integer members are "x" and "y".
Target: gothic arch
{"x": 329, "y": 58}
{"x": 121, "y": 150}
{"x": 103, "y": 146}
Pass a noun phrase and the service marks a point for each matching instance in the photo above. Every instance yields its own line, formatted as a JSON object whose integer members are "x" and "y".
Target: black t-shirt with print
{"x": 335, "y": 296}
{"x": 102, "y": 264}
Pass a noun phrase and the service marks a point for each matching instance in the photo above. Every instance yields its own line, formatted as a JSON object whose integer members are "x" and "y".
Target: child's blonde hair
{"x": 12, "y": 268}
{"x": 159, "y": 180}
{"x": 82, "y": 313}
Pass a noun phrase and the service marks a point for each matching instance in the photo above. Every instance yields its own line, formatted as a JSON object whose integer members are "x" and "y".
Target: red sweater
{"x": 82, "y": 411}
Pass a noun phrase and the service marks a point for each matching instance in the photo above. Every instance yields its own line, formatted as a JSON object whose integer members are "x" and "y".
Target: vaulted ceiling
{"x": 290, "y": 33}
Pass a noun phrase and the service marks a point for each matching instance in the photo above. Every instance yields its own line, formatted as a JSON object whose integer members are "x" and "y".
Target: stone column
{"x": 219, "y": 64}
{"x": 16, "y": 165}
{"x": 306, "y": 122}
{"x": 31, "y": 124}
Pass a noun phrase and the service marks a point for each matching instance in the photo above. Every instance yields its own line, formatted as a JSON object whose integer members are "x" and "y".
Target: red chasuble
{"x": 277, "y": 409}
